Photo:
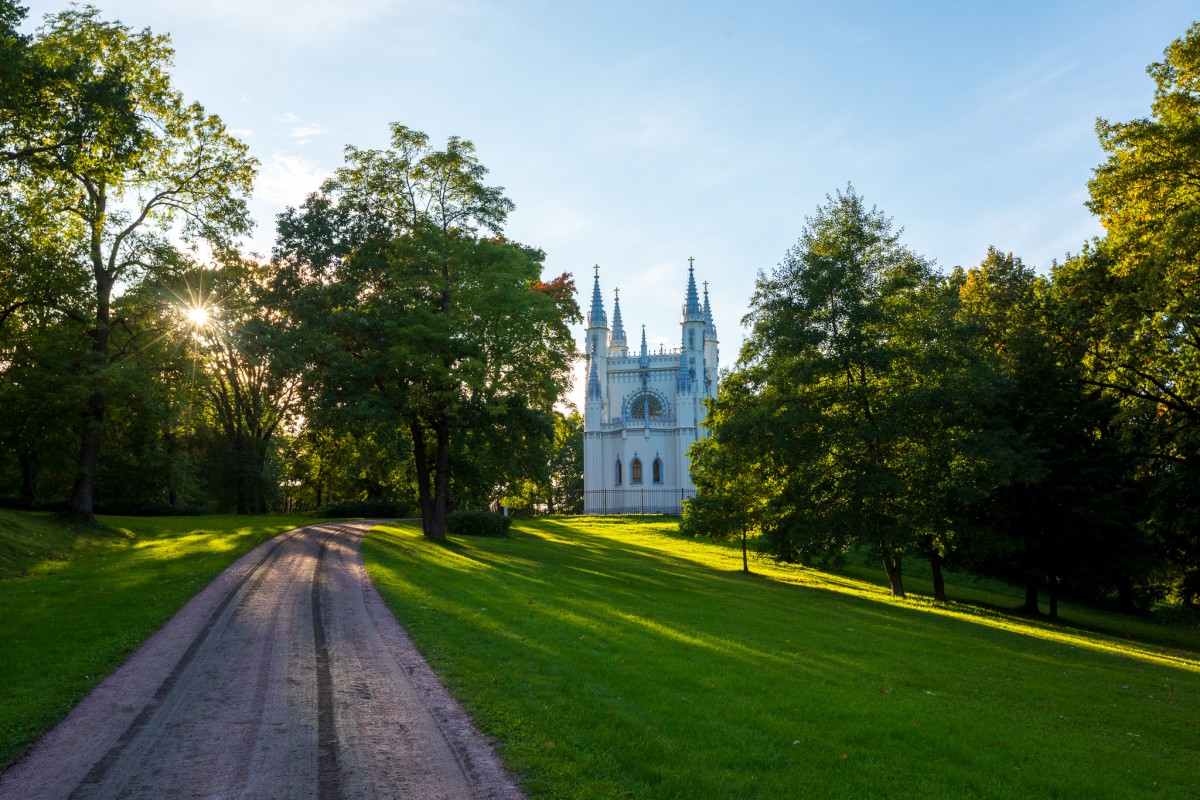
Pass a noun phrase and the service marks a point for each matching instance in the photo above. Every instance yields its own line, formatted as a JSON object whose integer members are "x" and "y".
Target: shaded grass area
{"x": 86, "y": 598}
{"x": 27, "y": 539}
{"x": 610, "y": 658}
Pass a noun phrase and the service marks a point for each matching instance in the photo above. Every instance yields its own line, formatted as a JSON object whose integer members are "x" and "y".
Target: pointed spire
{"x": 596, "y": 317}
{"x": 645, "y": 359}
{"x": 593, "y": 387}
{"x": 710, "y": 330}
{"x": 618, "y": 329}
{"x": 691, "y": 310}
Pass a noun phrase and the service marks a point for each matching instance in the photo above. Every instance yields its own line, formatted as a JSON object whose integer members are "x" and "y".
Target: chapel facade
{"x": 644, "y": 409}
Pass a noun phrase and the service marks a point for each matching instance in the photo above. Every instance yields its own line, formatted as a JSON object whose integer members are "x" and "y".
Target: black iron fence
{"x": 636, "y": 501}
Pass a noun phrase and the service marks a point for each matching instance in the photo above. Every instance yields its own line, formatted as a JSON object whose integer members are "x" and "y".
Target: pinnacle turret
{"x": 710, "y": 330}
{"x": 645, "y": 357}
{"x": 596, "y": 317}
{"x": 618, "y": 329}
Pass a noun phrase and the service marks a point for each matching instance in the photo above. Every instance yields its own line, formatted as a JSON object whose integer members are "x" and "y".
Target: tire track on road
{"x": 232, "y": 699}
{"x": 328, "y": 786}
{"x": 100, "y": 769}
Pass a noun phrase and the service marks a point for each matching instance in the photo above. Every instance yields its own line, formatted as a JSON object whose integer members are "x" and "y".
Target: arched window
{"x": 657, "y": 470}
{"x": 635, "y": 471}
{"x": 618, "y": 472}
{"x": 645, "y": 407}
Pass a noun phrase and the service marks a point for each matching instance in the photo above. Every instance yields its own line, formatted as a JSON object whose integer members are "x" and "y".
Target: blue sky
{"x": 635, "y": 135}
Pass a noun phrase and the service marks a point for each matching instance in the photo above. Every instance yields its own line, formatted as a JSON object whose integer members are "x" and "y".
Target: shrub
{"x": 477, "y": 523}
{"x": 367, "y": 508}
{"x": 147, "y": 508}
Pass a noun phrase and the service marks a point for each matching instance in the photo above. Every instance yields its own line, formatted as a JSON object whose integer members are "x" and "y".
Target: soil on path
{"x": 287, "y": 677}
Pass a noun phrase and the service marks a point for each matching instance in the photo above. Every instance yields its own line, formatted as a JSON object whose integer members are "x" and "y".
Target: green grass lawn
{"x": 84, "y": 600}
{"x": 610, "y": 658}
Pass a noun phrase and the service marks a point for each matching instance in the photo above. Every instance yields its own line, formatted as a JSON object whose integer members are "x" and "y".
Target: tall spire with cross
{"x": 691, "y": 308}
{"x": 596, "y": 317}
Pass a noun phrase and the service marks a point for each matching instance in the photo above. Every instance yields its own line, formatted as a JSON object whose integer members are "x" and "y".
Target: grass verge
{"x": 86, "y": 598}
{"x": 610, "y": 658}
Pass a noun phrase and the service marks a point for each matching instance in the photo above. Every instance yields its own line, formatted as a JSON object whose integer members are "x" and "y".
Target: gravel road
{"x": 287, "y": 677}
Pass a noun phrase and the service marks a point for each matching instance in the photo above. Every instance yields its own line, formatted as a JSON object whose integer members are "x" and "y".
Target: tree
{"x": 251, "y": 384}
{"x": 1132, "y": 296}
{"x": 419, "y": 318}
{"x": 1058, "y": 512}
{"x": 729, "y": 499}
{"x": 818, "y": 384}
{"x": 565, "y": 480}
{"x": 121, "y": 183}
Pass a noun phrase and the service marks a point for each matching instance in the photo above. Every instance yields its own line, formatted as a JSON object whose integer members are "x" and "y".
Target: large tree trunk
{"x": 894, "y": 568}
{"x": 745, "y": 561}
{"x": 1125, "y": 596}
{"x": 1031, "y": 595}
{"x": 240, "y": 500}
{"x": 421, "y": 463}
{"x": 441, "y": 482}
{"x": 29, "y": 472}
{"x": 1053, "y": 589}
{"x": 939, "y": 581}
{"x": 258, "y": 483}
{"x": 83, "y": 493}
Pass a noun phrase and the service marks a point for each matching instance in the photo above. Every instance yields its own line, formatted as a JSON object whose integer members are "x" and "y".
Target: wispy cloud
{"x": 303, "y": 134}
{"x": 287, "y": 179}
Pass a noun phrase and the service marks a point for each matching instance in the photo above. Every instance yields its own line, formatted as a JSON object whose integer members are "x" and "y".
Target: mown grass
{"x": 610, "y": 658}
{"x": 86, "y": 598}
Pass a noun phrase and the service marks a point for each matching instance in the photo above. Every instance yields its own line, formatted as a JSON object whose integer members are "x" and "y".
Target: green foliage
{"x": 477, "y": 523}
{"x": 366, "y": 509}
{"x": 149, "y": 508}
{"x": 103, "y": 156}
{"x": 416, "y": 326}
{"x": 835, "y": 422}
{"x": 610, "y": 658}
{"x": 1132, "y": 297}
{"x": 554, "y": 486}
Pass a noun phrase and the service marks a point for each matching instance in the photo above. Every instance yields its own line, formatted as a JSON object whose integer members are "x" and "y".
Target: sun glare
{"x": 198, "y": 316}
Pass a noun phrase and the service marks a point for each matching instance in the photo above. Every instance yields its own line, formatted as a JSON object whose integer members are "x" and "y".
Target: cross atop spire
{"x": 691, "y": 308}
{"x": 596, "y": 317}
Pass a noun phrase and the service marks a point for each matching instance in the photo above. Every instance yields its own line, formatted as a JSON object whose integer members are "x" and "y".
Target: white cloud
{"x": 289, "y": 117}
{"x": 287, "y": 179}
{"x": 303, "y": 134}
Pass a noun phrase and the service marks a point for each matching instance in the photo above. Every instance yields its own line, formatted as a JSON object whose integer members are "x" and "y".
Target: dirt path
{"x": 287, "y": 677}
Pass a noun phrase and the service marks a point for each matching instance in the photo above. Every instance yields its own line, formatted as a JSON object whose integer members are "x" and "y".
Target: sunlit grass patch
{"x": 611, "y": 656}
{"x": 88, "y": 598}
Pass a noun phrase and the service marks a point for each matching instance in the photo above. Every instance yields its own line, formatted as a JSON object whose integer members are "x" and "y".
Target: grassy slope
{"x": 86, "y": 603}
{"x": 612, "y": 660}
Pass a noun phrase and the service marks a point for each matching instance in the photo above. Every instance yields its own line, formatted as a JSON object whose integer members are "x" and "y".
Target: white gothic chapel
{"x": 643, "y": 411}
